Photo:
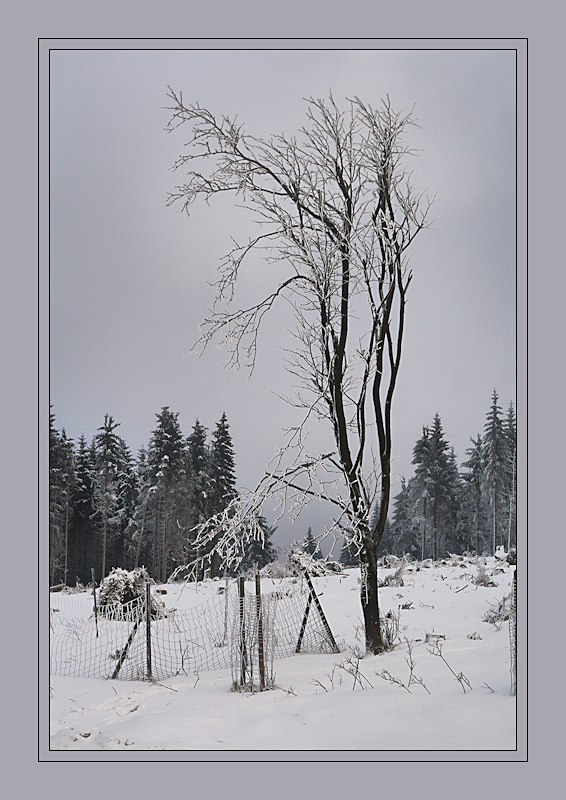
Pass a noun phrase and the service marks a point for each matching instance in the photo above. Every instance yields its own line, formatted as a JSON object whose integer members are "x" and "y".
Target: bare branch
{"x": 337, "y": 205}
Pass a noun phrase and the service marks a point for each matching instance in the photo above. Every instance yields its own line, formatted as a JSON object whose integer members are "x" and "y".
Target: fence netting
{"x": 224, "y": 631}
{"x": 513, "y": 635}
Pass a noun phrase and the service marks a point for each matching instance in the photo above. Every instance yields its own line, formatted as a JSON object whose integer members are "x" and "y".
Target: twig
{"x": 436, "y": 650}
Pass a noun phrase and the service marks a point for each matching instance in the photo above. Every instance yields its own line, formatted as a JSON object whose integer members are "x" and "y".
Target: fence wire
{"x": 113, "y": 643}
{"x": 513, "y": 635}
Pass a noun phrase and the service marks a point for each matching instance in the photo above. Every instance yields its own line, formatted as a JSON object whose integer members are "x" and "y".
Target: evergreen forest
{"x": 109, "y": 509}
{"x": 445, "y": 509}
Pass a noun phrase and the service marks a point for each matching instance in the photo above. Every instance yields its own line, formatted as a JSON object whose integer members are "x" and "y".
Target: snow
{"x": 317, "y": 705}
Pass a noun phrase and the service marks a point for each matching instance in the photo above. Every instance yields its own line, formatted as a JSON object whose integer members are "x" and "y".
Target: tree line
{"x": 442, "y": 509}
{"x": 108, "y": 509}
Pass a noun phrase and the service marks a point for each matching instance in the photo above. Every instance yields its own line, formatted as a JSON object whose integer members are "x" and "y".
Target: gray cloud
{"x": 129, "y": 276}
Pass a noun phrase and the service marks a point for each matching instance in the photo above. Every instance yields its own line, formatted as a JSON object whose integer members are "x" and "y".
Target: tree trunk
{"x": 165, "y": 525}
{"x": 105, "y": 526}
{"x": 435, "y": 534}
{"x": 370, "y": 607}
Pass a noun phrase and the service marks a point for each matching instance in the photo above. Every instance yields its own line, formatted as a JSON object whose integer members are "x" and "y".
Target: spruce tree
{"x": 496, "y": 471}
{"x": 108, "y": 456}
{"x": 83, "y": 526}
{"x": 510, "y": 429}
{"x": 60, "y": 459}
{"x": 222, "y": 467}
{"x": 140, "y": 542}
{"x": 127, "y": 487}
{"x": 388, "y": 544}
{"x": 435, "y": 490}
{"x": 222, "y": 479}
{"x": 68, "y": 482}
{"x": 420, "y": 487}
{"x": 310, "y": 545}
{"x": 166, "y": 464}
{"x": 200, "y": 494}
{"x": 442, "y": 487}
{"x": 404, "y": 529}
{"x": 473, "y": 506}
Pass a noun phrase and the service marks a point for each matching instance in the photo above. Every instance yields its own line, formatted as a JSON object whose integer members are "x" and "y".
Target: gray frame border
{"x": 520, "y": 45}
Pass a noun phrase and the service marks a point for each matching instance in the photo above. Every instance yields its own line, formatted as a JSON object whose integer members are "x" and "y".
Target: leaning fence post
{"x": 95, "y": 609}
{"x": 336, "y": 649}
{"x": 148, "y": 627}
{"x": 304, "y": 624}
{"x": 260, "y": 632}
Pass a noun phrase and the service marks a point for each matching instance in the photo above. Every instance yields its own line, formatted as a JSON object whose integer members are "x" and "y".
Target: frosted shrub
{"x": 316, "y": 567}
{"x": 396, "y": 579}
{"x": 276, "y": 569}
{"x": 390, "y": 630}
{"x": 483, "y": 578}
{"x": 121, "y": 586}
{"x": 499, "y": 612}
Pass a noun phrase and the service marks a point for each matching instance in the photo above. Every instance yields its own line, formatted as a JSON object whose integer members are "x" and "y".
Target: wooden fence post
{"x": 242, "y": 635}
{"x": 148, "y": 628}
{"x": 304, "y": 624}
{"x": 95, "y": 609}
{"x": 260, "y": 632}
{"x": 321, "y": 612}
{"x": 124, "y": 652}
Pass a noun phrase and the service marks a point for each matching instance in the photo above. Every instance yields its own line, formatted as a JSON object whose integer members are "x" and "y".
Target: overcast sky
{"x": 129, "y": 279}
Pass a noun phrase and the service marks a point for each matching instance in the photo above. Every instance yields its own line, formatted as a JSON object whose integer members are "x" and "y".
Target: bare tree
{"x": 337, "y": 207}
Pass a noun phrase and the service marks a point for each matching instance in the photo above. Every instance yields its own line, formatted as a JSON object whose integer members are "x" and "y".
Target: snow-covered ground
{"x": 318, "y": 705}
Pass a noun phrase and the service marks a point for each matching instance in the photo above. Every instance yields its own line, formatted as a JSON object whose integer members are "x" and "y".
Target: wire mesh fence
{"x": 513, "y": 635}
{"x": 237, "y": 629}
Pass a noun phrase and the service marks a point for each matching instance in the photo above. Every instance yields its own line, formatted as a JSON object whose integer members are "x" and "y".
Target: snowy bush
{"x": 121, "y": 587}
{"x": 276, "y": 569}
{"x": 396, "y": 579}
{"x": 390, "y": 630}
{"x": 498, "y": 612}
{"x": 316, "y": 567}
{"x": 483, "y": 578}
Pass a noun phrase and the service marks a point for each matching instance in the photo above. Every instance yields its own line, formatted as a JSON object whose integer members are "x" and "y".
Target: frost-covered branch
{"x": 337, "y": 207}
